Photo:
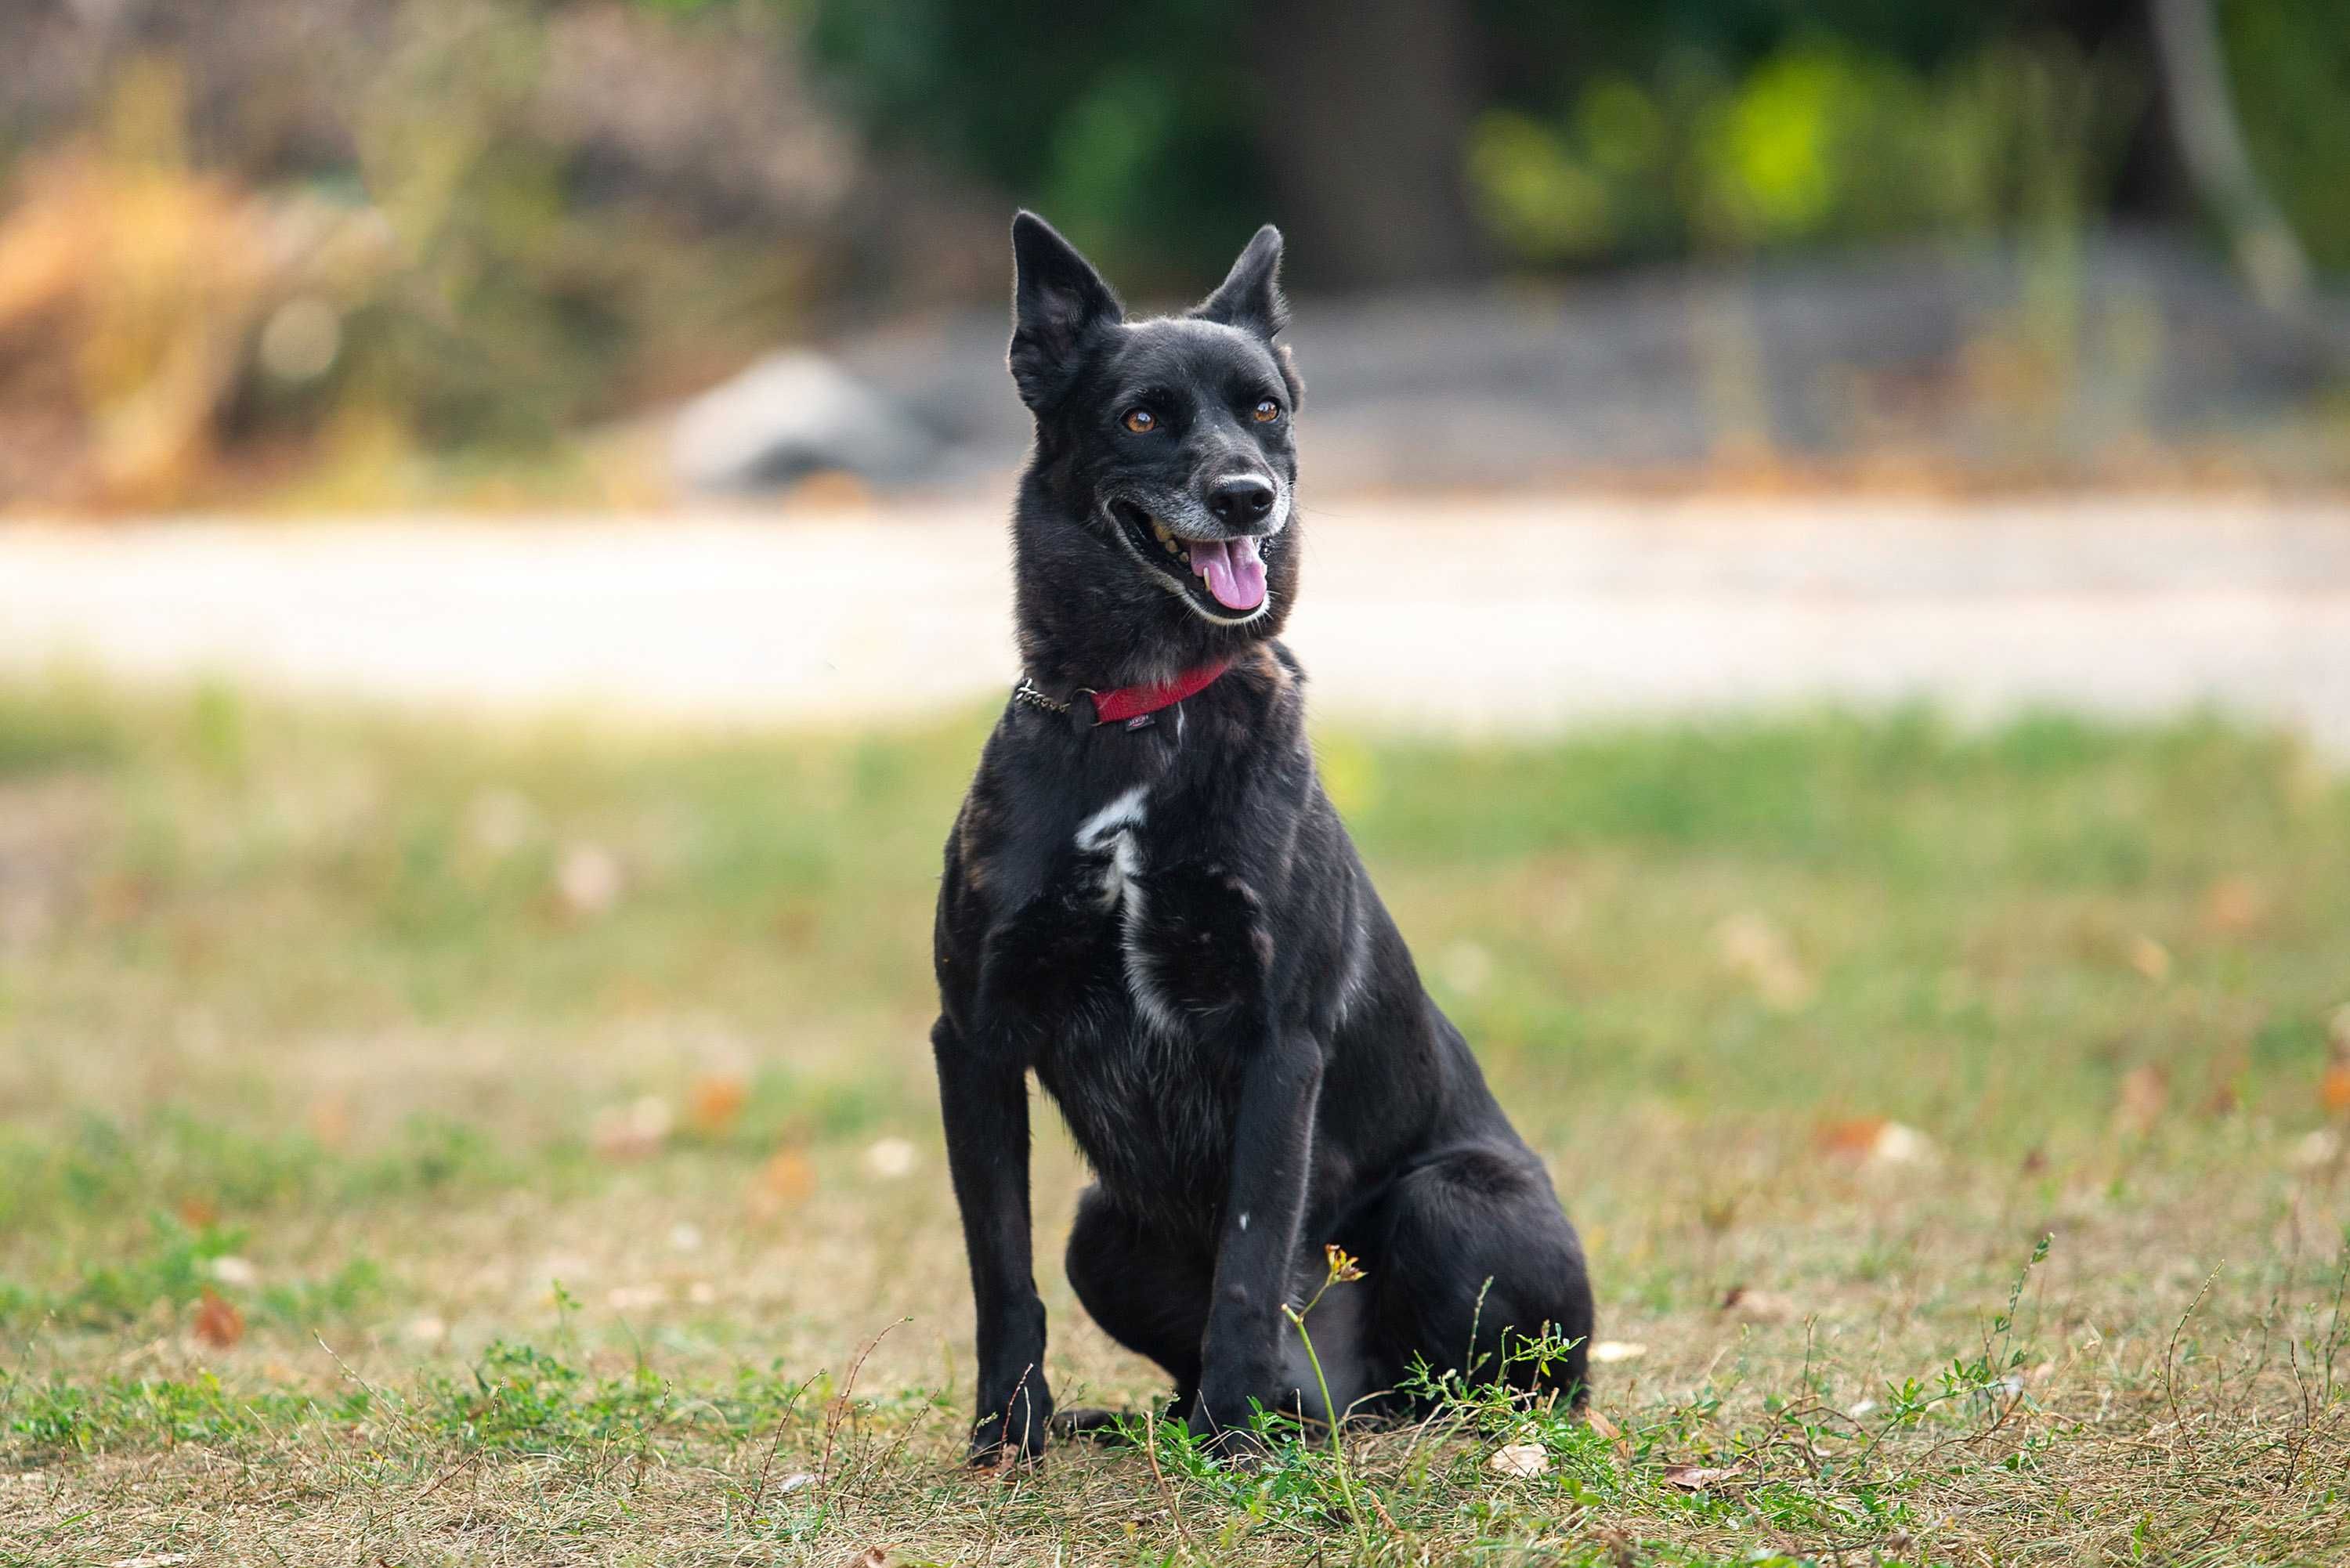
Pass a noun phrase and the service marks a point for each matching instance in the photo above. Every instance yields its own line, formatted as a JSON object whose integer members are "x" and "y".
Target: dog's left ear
{"x": 1250, "y": 295}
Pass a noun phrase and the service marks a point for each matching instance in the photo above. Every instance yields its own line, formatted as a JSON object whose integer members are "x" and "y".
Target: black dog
{"x": 1149, "y": 902}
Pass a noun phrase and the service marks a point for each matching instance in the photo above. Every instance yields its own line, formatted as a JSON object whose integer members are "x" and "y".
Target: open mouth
{"x": 1229, "y": 573}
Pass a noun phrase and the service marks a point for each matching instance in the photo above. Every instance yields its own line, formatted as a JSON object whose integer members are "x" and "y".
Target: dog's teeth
{"x": 1160, "y": 529}
{"x": 1170, "y": 546}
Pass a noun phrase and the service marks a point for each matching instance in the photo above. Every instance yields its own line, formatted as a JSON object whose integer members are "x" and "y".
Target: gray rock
{"x": 794, "y": 414}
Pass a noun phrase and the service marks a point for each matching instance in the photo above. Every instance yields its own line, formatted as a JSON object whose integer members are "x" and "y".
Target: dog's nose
{"x": 1238, "y": 501}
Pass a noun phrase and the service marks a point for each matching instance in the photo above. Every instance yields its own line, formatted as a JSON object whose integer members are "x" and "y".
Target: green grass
{"x": 552, "y": 1108}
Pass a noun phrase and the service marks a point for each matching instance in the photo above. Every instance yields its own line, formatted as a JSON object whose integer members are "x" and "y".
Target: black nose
{"x": 1238, "y": 501}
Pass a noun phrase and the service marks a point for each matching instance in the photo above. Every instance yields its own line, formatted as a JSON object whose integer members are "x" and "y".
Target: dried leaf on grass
{"x": 2234, "y": 904}
{"x": 1521, "y": 1461}
{"x": 2145, "y": 1096}
{"x": 1874, "y": 1140}
{"x": 635, "y": 1130}
{"x": 2334, "y": 1084}
{"x": 1759, "y": 953}
{"x": 786, "y": 1180}
{"x": 588, "y": 881}
{"x": 1751, "y": 1305}
{"x": 1696, "y": 1477}
{"x": 715, "y": 1103}
{"x": 218, "y": 1323}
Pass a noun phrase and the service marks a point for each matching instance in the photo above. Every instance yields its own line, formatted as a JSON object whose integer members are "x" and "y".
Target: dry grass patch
{"x": 1948, "y": 1118}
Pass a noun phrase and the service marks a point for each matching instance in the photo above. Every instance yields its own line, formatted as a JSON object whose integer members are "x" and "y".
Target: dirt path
{"x": 1465, "y": 614}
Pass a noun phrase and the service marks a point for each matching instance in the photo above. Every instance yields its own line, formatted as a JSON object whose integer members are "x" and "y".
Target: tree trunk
{"x": 2203, "y": 117}
{"x": 1369, "y": 103}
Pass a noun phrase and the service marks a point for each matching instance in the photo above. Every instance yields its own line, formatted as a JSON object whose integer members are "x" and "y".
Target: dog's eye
{"x": 1266, "y": 411}
{"x": 1142, "y": 421}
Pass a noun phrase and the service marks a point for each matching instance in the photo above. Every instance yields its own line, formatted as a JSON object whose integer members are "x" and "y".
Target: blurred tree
{"x": 2289, "y": 68}
{"x": 1364, "y": 134}
{"x": 2203, "y": 114}
{"x": 1412, "y": 140}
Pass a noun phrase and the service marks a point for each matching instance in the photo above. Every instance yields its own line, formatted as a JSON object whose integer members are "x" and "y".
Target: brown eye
{"x": 1142, "y": 421}
{"x": 1267, "y": 411}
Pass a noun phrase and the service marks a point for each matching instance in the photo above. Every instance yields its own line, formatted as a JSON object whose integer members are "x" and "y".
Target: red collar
{"x": 1128, "y": 705}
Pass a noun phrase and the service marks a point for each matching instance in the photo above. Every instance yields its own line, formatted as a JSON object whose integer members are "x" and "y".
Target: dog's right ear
{"x": 1057, "y": 301}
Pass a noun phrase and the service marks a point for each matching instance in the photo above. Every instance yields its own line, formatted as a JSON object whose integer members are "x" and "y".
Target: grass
{"x": 429, "y": 1144}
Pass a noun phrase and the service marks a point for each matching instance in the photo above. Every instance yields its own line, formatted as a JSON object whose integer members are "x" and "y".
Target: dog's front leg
{"x": 983, "y": 1096}
{"x": 1273, "y": 1150}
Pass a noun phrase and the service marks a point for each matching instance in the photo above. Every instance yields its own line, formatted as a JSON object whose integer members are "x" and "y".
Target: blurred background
{"x": 1827, "y": 594}
{"x": 357, "y": 253}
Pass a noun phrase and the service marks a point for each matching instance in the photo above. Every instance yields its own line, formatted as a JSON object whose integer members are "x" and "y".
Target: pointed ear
{"x": 1250, "y": 295}
{"x": 1057, "y": 301}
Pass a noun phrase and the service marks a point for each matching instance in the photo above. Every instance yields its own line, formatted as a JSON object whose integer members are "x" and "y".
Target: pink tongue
{"x": 1235, "y": 572}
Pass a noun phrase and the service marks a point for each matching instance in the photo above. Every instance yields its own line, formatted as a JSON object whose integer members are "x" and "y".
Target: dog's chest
{"x": 1147, "y": 1069}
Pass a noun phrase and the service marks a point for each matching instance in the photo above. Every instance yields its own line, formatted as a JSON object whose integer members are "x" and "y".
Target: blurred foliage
{"x": 1610, "y": 131}
{"x": 249, "y": 243}
{"x": 1818, "y": 142}
{"x": 2291, "y": 62}
{"x": 488, "y": 257}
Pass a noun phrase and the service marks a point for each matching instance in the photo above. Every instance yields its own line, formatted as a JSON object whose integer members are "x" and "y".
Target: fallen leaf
{"x": 218, "y": 1323}
{"x": 329, "y": 1120}
{"x": 235, "y": 1273}
{"x": 1752, "y": 1305}
{"x": 634, "y": 1130}
{"x": 587, "y": 880}
{"x": 1759, "y": 953}
{"x": 425, "y": 1331}
{"x": 2234, "y": 904}
{"x": 2334, "y": 1084}
{"x": 200, "y": 1213}
{"x": 2333, "y": 1088}
{"x": 2145, "y": 1094}
{"x": 1523, "y": 1461}
{"x": 1853, "y": 1136}
{"x": 892, "y": 1157}
{"x": 786, "y": 1180}
{"x": 715, "y": 1103}
{"x": 1601, "y": 1425}
{"x": 1695, "y": 1478}
{"x": 1900, "y": 1144}
{"x": 2149, "y": 958}
{"x": 1608, "y": 1350}
{"x": 2316, "y": 1151}
{"x": 871, "y": 1557}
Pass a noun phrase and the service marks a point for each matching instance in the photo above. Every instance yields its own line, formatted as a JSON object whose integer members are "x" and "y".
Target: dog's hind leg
{"x": 1476, "y": 1270}
{"x": 1146, "y": 1289}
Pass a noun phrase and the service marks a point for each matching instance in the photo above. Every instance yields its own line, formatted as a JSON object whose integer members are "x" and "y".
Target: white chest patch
{"x": 1113, "y": 829}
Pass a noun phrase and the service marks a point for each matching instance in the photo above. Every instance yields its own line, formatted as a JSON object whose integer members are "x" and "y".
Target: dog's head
{"x": 1163, "y": 456}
